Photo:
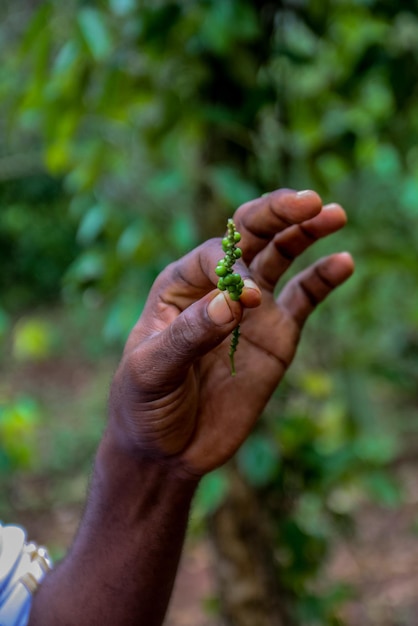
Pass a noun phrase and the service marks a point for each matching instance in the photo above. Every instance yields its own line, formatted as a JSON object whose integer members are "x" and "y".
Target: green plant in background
{"x": 19, "y": 419}
{"x": 152, "y": 121}
{"x": 32, "y": 339}
{"x": 37, "y": 241}
{"x": 230, "y": 281}
{"x": 314, "y": 467}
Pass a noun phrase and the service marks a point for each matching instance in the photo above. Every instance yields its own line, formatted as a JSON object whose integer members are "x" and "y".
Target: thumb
{"x": 220, "y": 310}
{"x": 194, "y": 332}
{"x": 206, "y": 323}
{"x": 202, "y": 327}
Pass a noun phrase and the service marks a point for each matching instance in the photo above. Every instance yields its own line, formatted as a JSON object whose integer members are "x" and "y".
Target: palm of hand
{"x": 228, "y": 407}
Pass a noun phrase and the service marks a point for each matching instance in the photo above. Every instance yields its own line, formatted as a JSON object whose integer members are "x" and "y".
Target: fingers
{"x": 274, "y": 229}
{"x": 270, "y": 264}
{"x": 260, "y": 220}
{"x": 304, "y": 292}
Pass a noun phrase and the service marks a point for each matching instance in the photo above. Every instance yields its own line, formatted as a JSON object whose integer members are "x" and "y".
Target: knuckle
{"x": 181, "y": 336}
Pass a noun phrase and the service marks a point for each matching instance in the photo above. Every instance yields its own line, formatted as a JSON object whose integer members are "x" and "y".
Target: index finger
{"x": 258, "y": 221}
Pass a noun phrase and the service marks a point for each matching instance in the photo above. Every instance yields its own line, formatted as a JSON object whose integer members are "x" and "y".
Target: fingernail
{"x": 332, "y": 205}
{"x": 250, "y": 284}
{"x": 219, "y": 311}
{"x": 305, "y": 192}
{"x": 345, "y": 255}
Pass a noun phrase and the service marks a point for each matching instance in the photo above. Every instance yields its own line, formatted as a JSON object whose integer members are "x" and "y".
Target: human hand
{"x": 173, "y": 398}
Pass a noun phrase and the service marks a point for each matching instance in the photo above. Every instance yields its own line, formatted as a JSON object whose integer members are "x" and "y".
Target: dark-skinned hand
{"x": 173, "y": 398}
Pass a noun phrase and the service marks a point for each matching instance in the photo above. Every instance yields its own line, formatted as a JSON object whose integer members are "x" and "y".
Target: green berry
{"x": 221, "y": 270}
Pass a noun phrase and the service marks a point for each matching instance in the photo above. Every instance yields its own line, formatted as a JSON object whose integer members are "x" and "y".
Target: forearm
{"x": 123, "y": 563}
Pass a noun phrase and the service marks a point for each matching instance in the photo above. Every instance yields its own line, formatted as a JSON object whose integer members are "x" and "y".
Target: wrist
{"x": 122, "y": 467}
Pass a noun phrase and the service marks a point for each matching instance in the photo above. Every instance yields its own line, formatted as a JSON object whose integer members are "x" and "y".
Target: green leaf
{"x": 33, "y": 339}
{"x": 121, "y": 318}
{"x": 58, "y": 156}
{"x": 91, "y": 225}
{"x": 212, "y": 492}
{"x": 18, "y": 424}
{"x": 317, "y": 383}
{"x": 384, "y": 488}
{"x": 228, "y": 183}
{"x": 387, "y": 161}
{"x": 377, "y": 448}
{"x": 122, "y": 7}
{"x": 95, "y": 33}
{"x": 87, "y": 267}
{"x": 66, "y": 58}
{"x": 4, "y": 323}
{"x": 258, "y": 459}
{"x": 183, "y": 233}
{"x": 40, "y": 21}
{"x": 131, "y": 240}
{"x": 409, "y": 195}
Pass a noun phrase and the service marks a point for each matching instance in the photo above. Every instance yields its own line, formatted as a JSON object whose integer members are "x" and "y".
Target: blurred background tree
{"x": 131, "y": 131}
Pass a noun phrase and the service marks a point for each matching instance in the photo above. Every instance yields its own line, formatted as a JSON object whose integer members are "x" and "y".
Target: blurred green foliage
{"x": 18, "y": 422}
{"x": 133, "y": 128}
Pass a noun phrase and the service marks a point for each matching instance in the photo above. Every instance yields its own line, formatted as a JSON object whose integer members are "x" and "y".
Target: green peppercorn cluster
{"x": 228, "y": 280}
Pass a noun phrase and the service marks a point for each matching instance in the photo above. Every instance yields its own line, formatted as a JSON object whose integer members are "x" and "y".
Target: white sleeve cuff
{"x": 22, "y": 568}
